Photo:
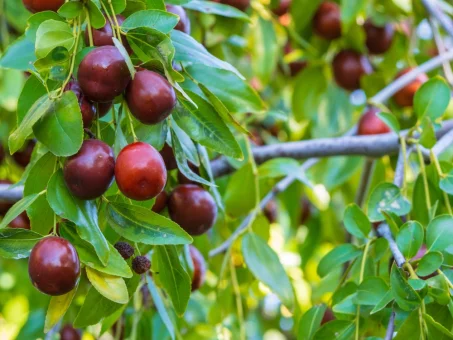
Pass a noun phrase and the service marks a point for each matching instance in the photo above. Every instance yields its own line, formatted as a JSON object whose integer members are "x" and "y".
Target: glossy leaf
{"x": 18, "y": 208}
{"x": 156, "y": 19}
{"x": 432, "y": 98}
{"x": 429, "y": 263}
{"x": 387, "y": 197}
{"x": 33, "y": 90}
{"x": 310, "y": 322}
{"x": 51, "y": 34}
{"x": 241, "y": 195}
{"x": 265, "y": 265}
{"x": 371, "y": 291}
{"x": 17, "y": 243}
{"x": 211, "y": 7}
{"x": 356, "y": 222}
{"x": 336, "y": 257}
{"x": 405, "y": 296}
{"x": 410, "y": 238}
{"x": 57, "y": 309}
{"x": 112, "y": 287}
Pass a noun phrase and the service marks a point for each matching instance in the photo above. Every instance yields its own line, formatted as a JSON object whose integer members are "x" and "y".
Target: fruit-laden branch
{"x": 380, "y": 97}
{"x": 433, "y": 8}
{"x": 370, "y": 146}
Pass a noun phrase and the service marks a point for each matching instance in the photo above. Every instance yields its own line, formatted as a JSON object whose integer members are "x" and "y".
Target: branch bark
{"x": 434, "y": 10}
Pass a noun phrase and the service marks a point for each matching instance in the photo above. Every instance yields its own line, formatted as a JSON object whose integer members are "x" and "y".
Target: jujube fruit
{"x": 193, "y": 208}
{"x": 87, "y": 108}
{"x": 239, "y": 4}
{"x": 371, "y": 124}
{"x": 161, "y": 202}
{"x": 23, "y": 156}
{"x": 282, "y": 8}
{"x": 270, "y": 211}
{"x": 327, "y": 21}
{"x": 141, "y": 264}
{"x": 20, "y": 222}
{"x": 35, "y": 6}
{"x": 125, "y": 249}
{"x": 169, "y": 157}
{"x": 328, "y": 316}
{"x": 405, "y": 96}
{"x": 89, "y": 173}
{"x": 184, "y": 180}
{"x": 103, "y": 74}
{"x": 199, "y": 268}
{"x": 150, "y": 97}
{"x": 378, "y": 38}
{"x": 140, "y": 172}
{"x": 103, "y": 36}
{"x": 184, "y": 22}
{"x": 294, "y": 66}
{"x": 348, "y": 68}
{"x": 69, "y": 333}
{"x": 54, "y": 266}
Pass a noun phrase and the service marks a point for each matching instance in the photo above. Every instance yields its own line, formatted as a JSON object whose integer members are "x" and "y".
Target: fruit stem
{"x": 425, "y": 178}
{"x": 362, "y": 274}
{"x": 117, "y": 26}
{"x": 237, "y": 292}
{"x": 98, "y": 123}
{"x": 90, "y": 32}
{"x": 129, "y": 118}
{"x": 109, "y": 18}
{"x": 77, "y": 24}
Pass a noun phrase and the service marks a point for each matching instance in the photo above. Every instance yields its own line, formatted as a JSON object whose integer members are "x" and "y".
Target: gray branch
{"x": 433, "y": 8}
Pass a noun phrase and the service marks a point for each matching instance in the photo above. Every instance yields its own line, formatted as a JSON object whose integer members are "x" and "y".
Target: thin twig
{"x": 390, "y": 327}
{"x": 441, "y": 49}
{"x": 434, "y": 10}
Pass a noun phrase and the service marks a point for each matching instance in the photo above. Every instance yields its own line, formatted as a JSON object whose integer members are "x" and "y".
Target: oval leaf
{"x": 112, "y": 287}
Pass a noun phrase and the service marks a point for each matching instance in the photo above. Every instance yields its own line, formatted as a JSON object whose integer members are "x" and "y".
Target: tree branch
{"x": 434, "y": 10}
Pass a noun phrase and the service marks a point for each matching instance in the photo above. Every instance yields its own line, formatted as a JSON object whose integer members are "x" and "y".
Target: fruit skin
{"x": 141, "y": 264}
{"x": 378, "y": 38}
{"x": 405, "y": 96}
{"x": 199, "y": 268}
{"x": 327, "y": 21}
{"x": 150, "y": 97}
{"x": 169, "y": 157}
{"x": 271, "y": 211}
{"x": 20, "y": 222}
{"x": 23, "y": 156}
{"x": 140, "y": 172}
{"x": 184, "y": 22}
{"x": 35, "y": 6}
{"x": 184, "y": 180}
{"x": 69, "y": 333}
{"x": 103, "y": 74}
{"x": 348, "y": 67}
{"x": 193, "y": 208}
{"x": 87, "y": 108}
{"x": 103, "y": 36}
{"x": 328, "y": 316}
{"x": 161, "y": 202}
{"x": 371, "y": 124}
{"x": 54, "y": 266}
{"x": 239, "y": 4}
{"x": 125, "y": 249}
{"x": 4, "y": 206}
{"x": 282, "y": 8}
{"x": 89, "y": 173}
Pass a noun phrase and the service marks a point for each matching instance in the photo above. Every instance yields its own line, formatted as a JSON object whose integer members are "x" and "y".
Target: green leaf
{"x": 387, "y": 197}
{"x": 410, "y": 329}
{"x": 20, "y": 55}
{"x": 210, "y": 7}
{"x": 57, "y": 309}
{"x": 265, "y": 265}
{"x": 71, "y": 9}
{"x": 405, "y": 296}
{"x": 432, "y": 98}
{"x": 189, "y": 50}
{"x": 61, "y": 130}
{"x": 337, "y": 329}
{"x": 139, "y": 224}
{"x": 96, "y": 307}
{"x": 116, "y": 265}
{"x": 310, "y": 322}
{"x": 31, "y": 92}
{"x": 97, "y": 19}
{"x": 17, "y": 243}
{"x": 350, "y": 9}
{"x": 356, "y": 222}
{"x": 429, "y": 263}
{"x": 234, "y": 92}
{"x": 388, "y": 297}
{"x": 155, "y": 19}
{"x": 83, "y": 213}
{"x": 42, "y": 217}
{"x": 51, "y": 34}
{"x": 118, "y": 5}
{"x": 278, "y": 167}
{"x": 435, "y": 329}
{"x": 160, "y": 306}
{"x": 206, "y": 127}
{"x": 55, "y": 65}
{"x": 439, "y": 233}
{"x": 390, "y": 120}
{"x": 241, "y": 194}
{"x": 446, "y": 183}
{"x": 371, "y": 291}
{"x": 336, "y": 257}
{"x": 112, "y": 287}
{"x": 18, "y": 208}
{"x": 428, "y": 136}
{"x": 174, "y": 278}
{"x": 17, "y": 139}
{"x": 410, "y": 238}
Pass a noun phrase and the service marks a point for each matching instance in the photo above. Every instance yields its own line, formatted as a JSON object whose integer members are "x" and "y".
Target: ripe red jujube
{"x": 239, "y": 4}
{"x": 327, "y": 21}
{"x": 89, "y": 173}
{"x": 150, "y": 97}
{"x": 199, "y": 268}
{"x": 405, "y": 96}
{"x": 20, "y": 222}
{"x": 103, "y": 36}
{"x": 282, "y": 8}
{"x": 54, "y": 266}
{"x": 161, "y": 202}
{"x": 35, "y": 6}
{"x": 371, "y": 124}
{"x": 140, "y": 172}
{"x": 103, "y": 74}
{"x": 69, "y": 333}
{"x": 169, "y": 157}
{"x": 378, "y": 38}
{"x": 23, "y": 156}
{"x": 348, "y": 67}
{"x": 193, "y": 208}
{"x": 184, "y": 22}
